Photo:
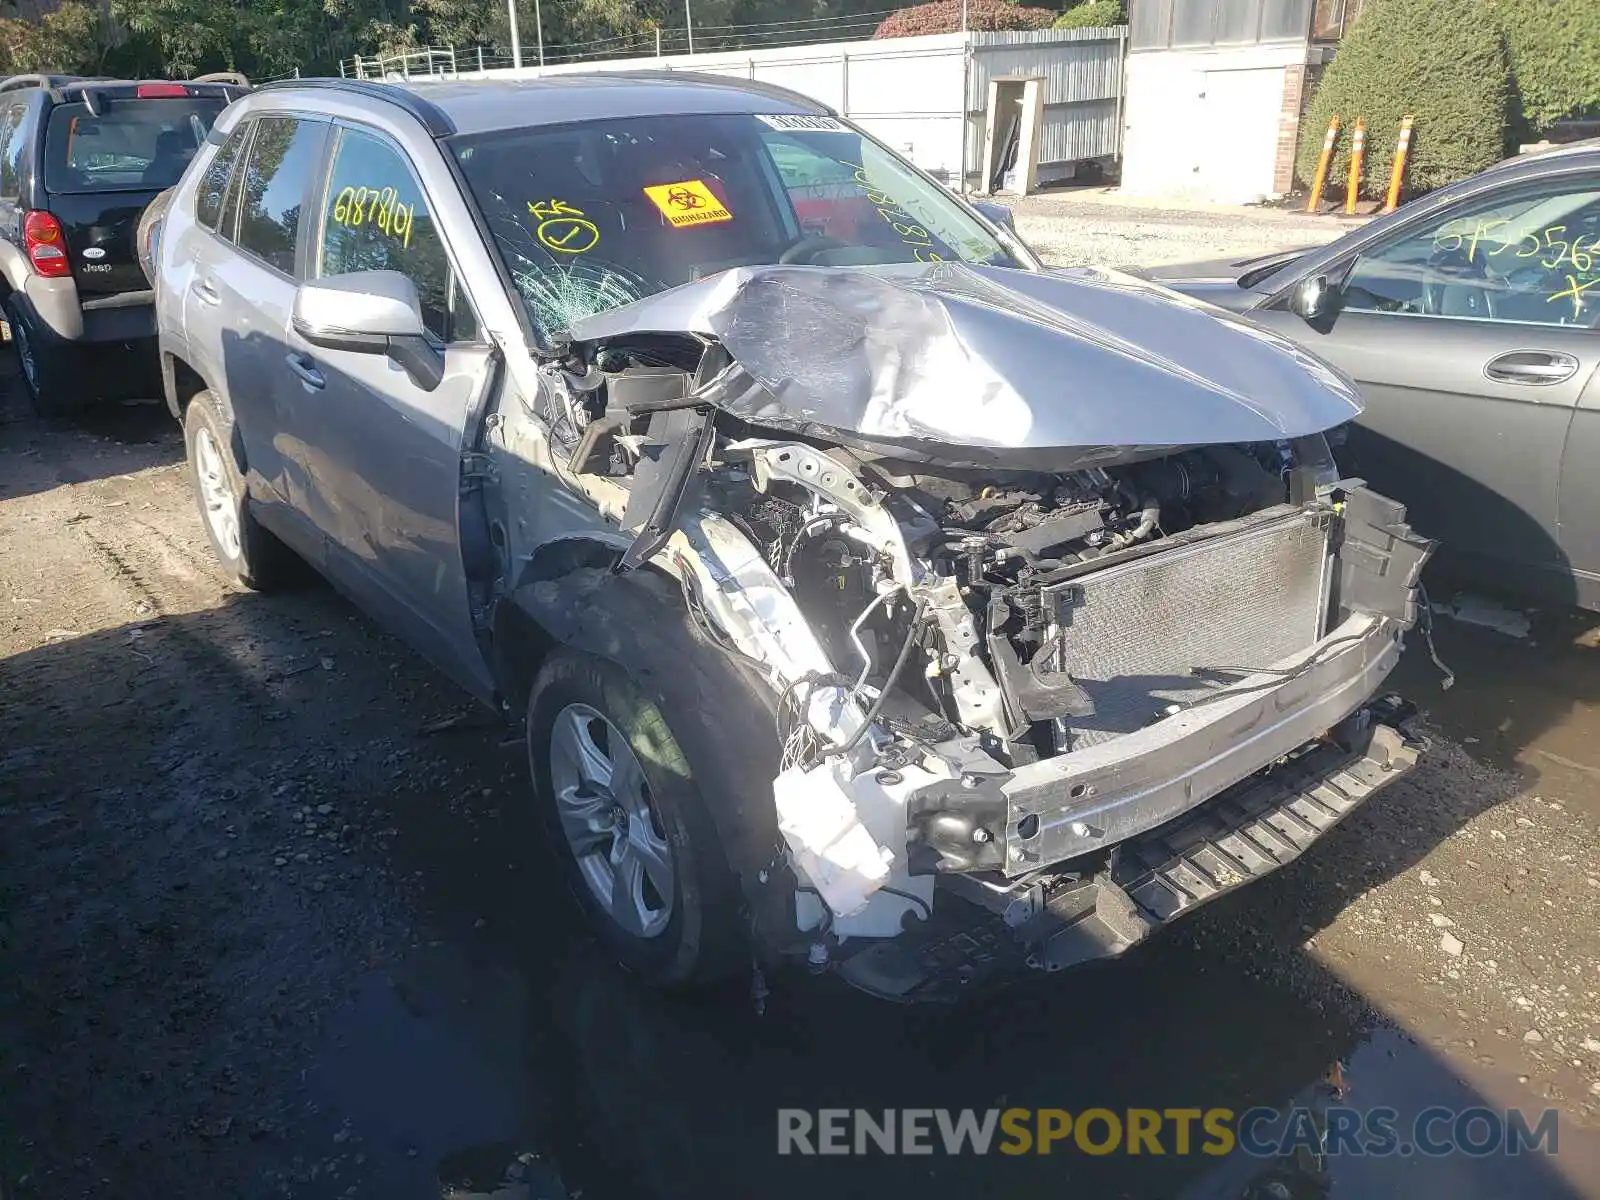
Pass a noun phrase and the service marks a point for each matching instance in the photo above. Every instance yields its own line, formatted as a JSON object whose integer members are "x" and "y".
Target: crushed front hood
{"x": 951, "y": 362}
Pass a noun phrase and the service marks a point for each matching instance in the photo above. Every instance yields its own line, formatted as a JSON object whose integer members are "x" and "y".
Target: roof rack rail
{"x": 433, "y": 118}
{"x": 232, "y": 78}
{"x": 16, "y": 82}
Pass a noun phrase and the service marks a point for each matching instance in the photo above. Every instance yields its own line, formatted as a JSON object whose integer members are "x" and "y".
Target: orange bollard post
{"x": 1329, "y": 140}
{"x": 1401, "y": 149}
{"x": 1358, "y": 151}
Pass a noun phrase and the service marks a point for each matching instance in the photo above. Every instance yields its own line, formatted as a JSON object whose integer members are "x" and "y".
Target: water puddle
{"x": 571, "y": 1079}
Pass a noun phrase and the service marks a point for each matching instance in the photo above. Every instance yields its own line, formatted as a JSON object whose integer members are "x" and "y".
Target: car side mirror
{"x": 369, "y": 312}
{"x": 1313, "y": 298}
{"x": 998, "y": 214}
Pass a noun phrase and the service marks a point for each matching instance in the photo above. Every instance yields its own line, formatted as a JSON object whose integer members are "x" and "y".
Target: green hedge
{"x": 1555, "y": 58}
{"x": 1092, "y": 14}
{"x": 1443, "y": 61}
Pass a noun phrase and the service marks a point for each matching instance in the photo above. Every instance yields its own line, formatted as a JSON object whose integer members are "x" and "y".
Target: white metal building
{"x": 1215, "y": 93}
{"x": 909, "y": 91}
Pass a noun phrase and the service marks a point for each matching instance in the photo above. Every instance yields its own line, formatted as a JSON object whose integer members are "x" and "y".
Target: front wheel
{"x": 621, "y": 804}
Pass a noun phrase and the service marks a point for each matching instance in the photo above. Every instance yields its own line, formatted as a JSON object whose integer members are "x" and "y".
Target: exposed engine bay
{"x": 1002, "y": 540}
{"x": 989, "y": 674}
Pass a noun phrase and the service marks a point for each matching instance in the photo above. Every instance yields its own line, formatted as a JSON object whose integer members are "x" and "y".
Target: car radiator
{"x": 1143, "y": 635}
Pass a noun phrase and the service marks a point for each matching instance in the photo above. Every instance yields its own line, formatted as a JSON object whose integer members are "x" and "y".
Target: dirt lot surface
{"x": 1071, "y": 227}
{"x": 274, "y": 922}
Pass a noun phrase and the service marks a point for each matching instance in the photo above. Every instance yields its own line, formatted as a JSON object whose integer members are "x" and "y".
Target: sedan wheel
{"x": 612, "y": 830}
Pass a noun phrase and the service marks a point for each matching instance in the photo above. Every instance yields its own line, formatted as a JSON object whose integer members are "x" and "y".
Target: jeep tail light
{"x": 47, "y": 249}
{"x": 160, "y": 91}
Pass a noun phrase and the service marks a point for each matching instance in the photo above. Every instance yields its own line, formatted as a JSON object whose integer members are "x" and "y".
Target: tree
{"x": 1092, "y": 14}
{"x": 1555, "y": 58}
{"x": 74, "y": 38}
{"x": 1442, "y": 61}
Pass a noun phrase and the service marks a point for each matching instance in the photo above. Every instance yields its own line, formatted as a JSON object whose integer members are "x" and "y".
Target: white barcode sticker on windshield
{"x": 802, "y": 123}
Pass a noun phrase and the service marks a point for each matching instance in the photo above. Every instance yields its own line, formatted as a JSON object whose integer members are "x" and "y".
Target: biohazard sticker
{"x": 688, "y": 203}
{"x": 802, "y": 123}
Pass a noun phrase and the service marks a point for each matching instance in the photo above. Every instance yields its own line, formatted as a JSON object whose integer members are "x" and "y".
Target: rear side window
{"x": 282, "y": 160}
{"x": 133, "y": 145}
{"x": 214, "y": 183}
{"x": 13, "y": 139}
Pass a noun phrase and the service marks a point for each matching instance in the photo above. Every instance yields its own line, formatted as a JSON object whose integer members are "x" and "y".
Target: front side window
{"x": 1531, "y": 259}
{"x": 593, "y": 216}
{"x": 375, "y": 218}
{"x": 214, "y": 183}
{"x": 133, "y": 145}
{"x": 282, "y": 160}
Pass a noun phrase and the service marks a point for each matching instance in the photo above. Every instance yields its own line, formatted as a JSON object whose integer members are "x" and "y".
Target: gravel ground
{"x": 1071, "y": 228}
{"x": 274, "y": 921}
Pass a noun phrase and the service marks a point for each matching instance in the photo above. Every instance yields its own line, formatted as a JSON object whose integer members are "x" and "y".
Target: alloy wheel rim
{"x": 216, "y": 493}
{"x": 613, "y": 832}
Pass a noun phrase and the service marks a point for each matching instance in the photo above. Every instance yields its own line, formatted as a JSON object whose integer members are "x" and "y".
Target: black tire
{"x": 254, "y": 558}
{"x": 701, "y": 730}
{"x": 54, "y": 389}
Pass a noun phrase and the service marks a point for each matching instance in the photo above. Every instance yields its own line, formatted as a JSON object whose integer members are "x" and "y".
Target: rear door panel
{"x": 255, "y": 299}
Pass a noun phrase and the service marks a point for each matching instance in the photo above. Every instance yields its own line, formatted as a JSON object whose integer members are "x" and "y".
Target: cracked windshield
{"x": 594, "y": 216}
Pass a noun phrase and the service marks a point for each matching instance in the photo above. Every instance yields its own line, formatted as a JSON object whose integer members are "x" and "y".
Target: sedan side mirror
{"x": 998, "y": 214}
{"x": 369, "y": 312}
{"x": 1313, "y": 298}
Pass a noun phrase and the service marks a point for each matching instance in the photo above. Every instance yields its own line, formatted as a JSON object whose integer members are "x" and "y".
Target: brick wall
{"x": 1294, "y": 95}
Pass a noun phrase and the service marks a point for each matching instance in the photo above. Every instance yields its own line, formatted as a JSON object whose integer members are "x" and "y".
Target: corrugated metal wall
{"x": 907, "y": 91}
{"x": 1082, "y": 73}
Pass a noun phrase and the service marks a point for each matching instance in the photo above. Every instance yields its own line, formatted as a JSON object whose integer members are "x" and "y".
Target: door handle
{"x": 206, "y": 291}
{"x": 303, "y": 370}
{"x": 1539, "y": 367}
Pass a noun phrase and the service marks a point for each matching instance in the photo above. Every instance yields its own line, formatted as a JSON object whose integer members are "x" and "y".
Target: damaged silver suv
{"x": 871, "y": 595}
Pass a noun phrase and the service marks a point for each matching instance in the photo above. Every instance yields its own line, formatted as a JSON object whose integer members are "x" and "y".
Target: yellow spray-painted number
{"x": 688, "y": 203}
{"x": 358, "y": 206}
{"x": 904, "y": 225}
{"x": 563, "y": 228}
{"x": 1485, "y": 239}
{"x": 1574, "y": 290}
{"x": 1547, "y": 247}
